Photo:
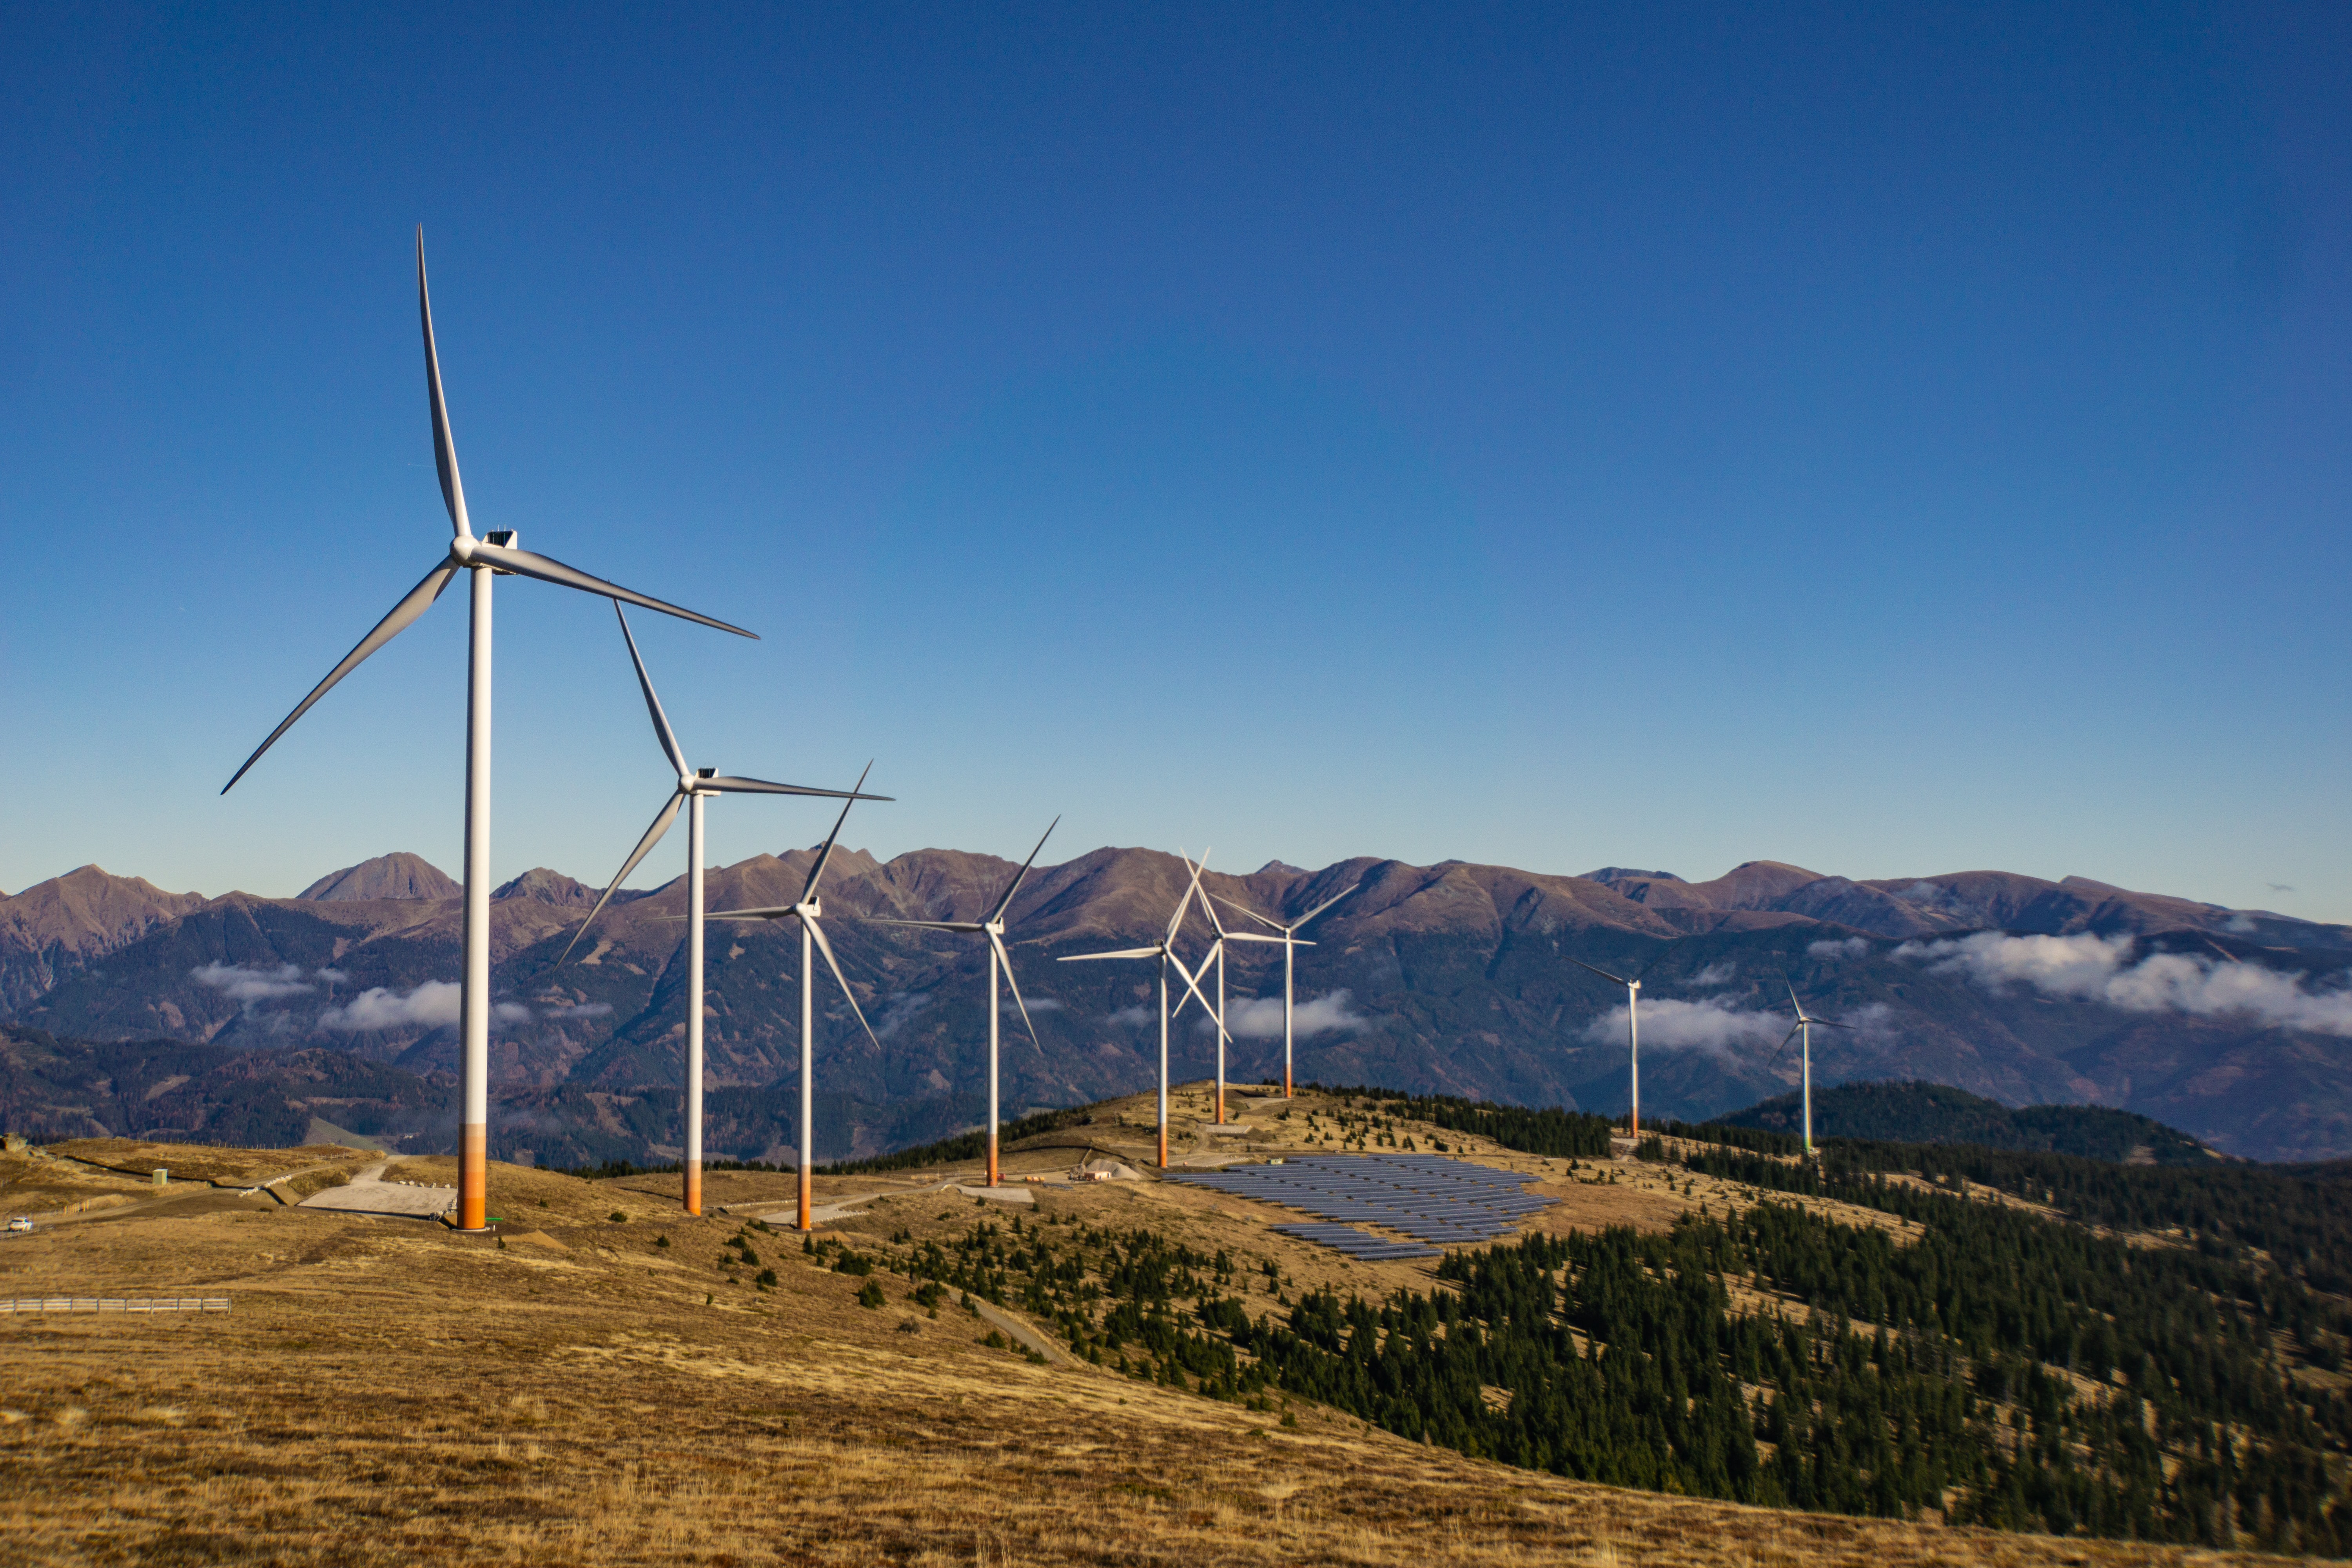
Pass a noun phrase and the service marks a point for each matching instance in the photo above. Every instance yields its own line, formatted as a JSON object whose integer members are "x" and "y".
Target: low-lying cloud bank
{"x": 2100, "y": 969}
{"x": 1260, "y": 1018}
{"x": 1671, "y": 1024}
{"x": 431, "y": 1005}
{"x": 258, "y": 983}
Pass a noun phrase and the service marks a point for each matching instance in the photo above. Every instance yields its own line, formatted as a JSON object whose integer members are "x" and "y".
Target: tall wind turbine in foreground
{"x": 1215, "y": 955}
{"x": 493, "y": 555}
{"x": 1805, "y": 1025}
{"x": 1632, "y": 1022}
{"x": 1164, "y": 952}
{"x": 809, "y": 910}
{"x": 993, "y": 928}
{"x": 1289, "y": 939}
{"x": 695, "y": 785}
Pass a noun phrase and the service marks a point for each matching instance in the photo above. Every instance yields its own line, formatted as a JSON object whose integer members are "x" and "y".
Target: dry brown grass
{"x": 388, "y": 1393}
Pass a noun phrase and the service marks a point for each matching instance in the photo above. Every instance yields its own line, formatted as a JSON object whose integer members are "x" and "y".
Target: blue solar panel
{"x": 1430, "y": 1199}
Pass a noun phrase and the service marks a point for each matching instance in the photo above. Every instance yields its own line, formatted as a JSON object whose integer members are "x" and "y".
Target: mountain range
{"x": 1453, "y": 978}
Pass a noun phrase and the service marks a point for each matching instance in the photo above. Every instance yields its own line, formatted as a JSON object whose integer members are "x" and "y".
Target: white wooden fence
{"x": 114, "y": 1304}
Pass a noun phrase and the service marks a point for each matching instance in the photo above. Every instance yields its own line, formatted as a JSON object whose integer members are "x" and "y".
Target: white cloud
{"x": 1713, "y": 975}
{"x": 432, "y": 1005}
{"x": 1260, "y": 1018}
{"x": 258, "y": 983}
{"x": 584, "y": 1010}
{"x": 1850, "y": 947}
{"x": 897, "y": 1011}
{"x": 2098, "y": 968}
{"x": 1037, "y": 1004}
{"x": 1133, "y": 1017}
{"x": 1708, "y": 1026}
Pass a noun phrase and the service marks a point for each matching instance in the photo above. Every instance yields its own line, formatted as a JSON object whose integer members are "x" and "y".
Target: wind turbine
{"x": 1290, "y": 941}
{"x": 993, "y": 928}
{"x": 1632, "y": 1024}
{"x": 695, "y": 785}
{"x": 495, "y": 554}
{"x": 809, "y": 910}
{"x": 1164, "y": 952}
{"x": 1217, "y": 954}
{"x": 1805, "y": 1025}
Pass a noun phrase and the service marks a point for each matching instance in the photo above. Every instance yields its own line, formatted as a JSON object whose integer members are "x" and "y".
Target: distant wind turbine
{"x": 993, "y": 928}
{"x": 495, "y": 554}
{"x": 1215, "y": 955}
{"x": 1632, "y": 1024}
{"x": 1163, "y": 950}
{"x": 809, "y": 910}
{"x": 1291, "y": 943}
{"x": 1804, "y": 1027}
{"x": 695, "y": 785}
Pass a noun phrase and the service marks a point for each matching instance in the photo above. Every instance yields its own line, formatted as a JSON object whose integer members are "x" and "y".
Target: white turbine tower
{"x": 809, "y": 910}
{"x": 1291, "y": 943}
{"x": 695, "y": 785}
{"x": 1216, "y": 954}
{"x": 1632, "y": 1021}
{"x": 993, "y": 928}
{"x": 1804, "y": 1027}
{"x": 493, "y": 555}
{"x": 1164, "y": 952}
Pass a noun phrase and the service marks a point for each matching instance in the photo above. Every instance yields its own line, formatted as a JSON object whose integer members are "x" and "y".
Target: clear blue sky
{"x": 1895, "y": 439}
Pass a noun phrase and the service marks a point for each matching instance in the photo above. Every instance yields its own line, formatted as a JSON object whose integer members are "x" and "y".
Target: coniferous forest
{"x": 1974, "y": 1360}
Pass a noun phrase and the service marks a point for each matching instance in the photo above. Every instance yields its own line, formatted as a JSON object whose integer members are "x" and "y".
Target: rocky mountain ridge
{"x": 1452, "y": 977}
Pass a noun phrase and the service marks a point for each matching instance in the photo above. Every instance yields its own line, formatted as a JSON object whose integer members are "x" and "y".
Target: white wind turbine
{"x": 1291, "y": 943}
{"x": 993, "y": 928}
{"x": 1216, "y": 954}
{"x": 1804, "y": 1027}
{"x": 695, "y": 785}
{"x": 809, "y": 910}
{"x": 1632, "y": 1021}
{"x": 1164, "y": 952}
{"x": 495, "y": 554}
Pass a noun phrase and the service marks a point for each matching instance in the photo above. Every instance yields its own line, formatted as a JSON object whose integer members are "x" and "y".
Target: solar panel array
{"x": 1439, "y": 1202}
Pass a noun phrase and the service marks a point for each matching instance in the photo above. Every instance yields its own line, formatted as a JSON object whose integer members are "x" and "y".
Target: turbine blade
{"x": 1209, "y": 908}
{"x": 445, "y": 448}
{"x": 662, "y": 732}
{"x": 826, "y": 856}
{"x": 1193, "y": 987}
{"x": 530, "y": 563}
{"x": 1006, "y": 902}
{"x": 1324, "y": 905}
{"x": 1253, "y": 936}
{"x": 728, "y": 784}
{"x": 1825, "y": 1023}
{"x": 419, "y": 599}
{"x": 1186, "y": 901}
{"x": 1643, "y": 973}
{"x": 1006, "y": 959}
{"x": 816, "y": 930}
{"x": 1615, "y": 979}
{"x": 1248, "y": 913}
{"x": 923, "y": 925}
{"x": 667, "y": 815}
{"x": 772, "y": 912}
{"x": 1783, "y": 1049}
{"x": 1122, "y": 953}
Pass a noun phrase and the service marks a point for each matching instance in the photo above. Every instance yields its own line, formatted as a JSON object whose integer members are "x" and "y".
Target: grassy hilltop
{"x": 1136, "y": 1371}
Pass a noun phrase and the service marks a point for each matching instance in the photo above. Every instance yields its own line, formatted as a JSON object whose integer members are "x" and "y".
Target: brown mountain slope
{"x": 399, "y": 875}
{"x": 57, "y": 928}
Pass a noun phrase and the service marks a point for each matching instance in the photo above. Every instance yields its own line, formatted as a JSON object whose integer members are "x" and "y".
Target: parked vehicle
{"x": 21, "y": 1223}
